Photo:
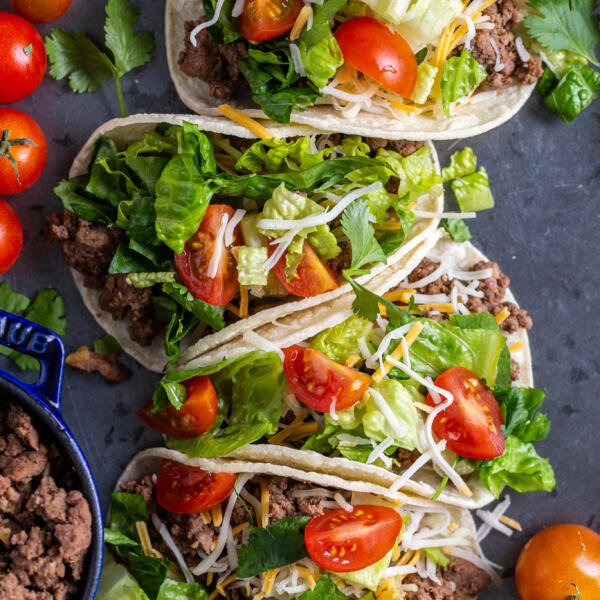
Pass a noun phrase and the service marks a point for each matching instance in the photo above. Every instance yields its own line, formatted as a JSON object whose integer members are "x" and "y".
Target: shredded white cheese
{"x": 388, "y": 413}
{"x": 215, "y": 259}
{"x": 238, "y": 8}
{"x": 342, "y": 502}
{"x": 209, "y": 23}
{"x": 282, "y": 244}
{"x": 521, "y": 50}
{"x": 238, "y": 215}
{"x": 164, "y": 533}
{"x": 491, "y": 520}
{"x": 297, "y": 60}
{"x": 425, "y": 214}
{"x": 321, "y": 218}
{"x": 378, "y": 453}
{"x": 332, "y": 412}
{"x": 262, "y": 343}
{"x": 499, "y": 64}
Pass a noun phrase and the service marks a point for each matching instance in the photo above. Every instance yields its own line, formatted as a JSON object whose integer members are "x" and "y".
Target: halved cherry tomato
{"x": 312, "y": 276}
{"x": 371, "y": 48}
{"x": 192, "y": 264}
{"x": 184, "y": 490}
{"x": 11, "y": 237}
{"x": 194, "y": 418}
{"x": 22, "y": 58}
{"x": 343, "y": 541}
{"x": 23, "y": 150}
{"x": 267, "y": 19}
{"x": 41, "y": 11}
{"x": 472, "y": 424}
{"x": 318, "y": 381}
{"x": 556, "y": 560}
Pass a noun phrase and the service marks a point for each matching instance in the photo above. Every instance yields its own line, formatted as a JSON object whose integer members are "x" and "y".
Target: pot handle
{"x": 41, "y": 343}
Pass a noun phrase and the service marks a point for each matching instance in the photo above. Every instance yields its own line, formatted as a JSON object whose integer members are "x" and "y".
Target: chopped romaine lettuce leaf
{"x": 251, "y": 265}
{"x": 321, "y": 60}
{"x": 401, "y": 401}
{"x": 457, "y": 229}
{"x": 340, "y": 342}
{"x": 519, "y": 408}
{"x": 463, "y": 162}
{"x": 369, "y": 577}
{"x": 520, "y": 467}
{"x": 462, "y": 74}
{"x": 426, "y": 75}
{"x": 473, "y": 192}
{"x": 117, "y": 582}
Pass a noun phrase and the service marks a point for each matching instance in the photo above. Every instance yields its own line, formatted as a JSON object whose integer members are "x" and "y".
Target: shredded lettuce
{"x": 426, "y": 75}
{"x": 341, "y": 341}
{"x": 462, "y": 74}
{"x": 117, "y": 582}
{"x": 462, "y": 163}
{"x": 401, "y": 401}
{"x": 473, "y": 191}
{"x": 369, "y": 577}
{"x": 251, "y": 265}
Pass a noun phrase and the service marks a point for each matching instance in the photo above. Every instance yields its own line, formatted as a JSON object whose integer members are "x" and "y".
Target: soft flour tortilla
{"x": 486, "y": 111}
{"x": 153, "y": 357}
{"x": 298, "y": 328}
{"x": 148, "y": 462}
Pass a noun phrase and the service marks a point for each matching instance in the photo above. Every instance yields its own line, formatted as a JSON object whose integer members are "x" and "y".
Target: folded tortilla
{"x": 153, "y": 357}
{"x": 489, "y": 110}
{"x": 296, "y": 328}
{"x": 442, "y": 521}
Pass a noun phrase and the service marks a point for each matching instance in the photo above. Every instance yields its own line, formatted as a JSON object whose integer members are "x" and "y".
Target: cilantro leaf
{"x": 131, "y": 50}
{"x": 565, "y": 25}
{"x": 277, "y": 545}
{"x": 75, "y": 56}
{"x": 10, "y": 301}
{"x": 107, "y": 345}
{"x": 356, "y": 227}
{"x": 366, "y": 304}
{"x": 519, "y": 408}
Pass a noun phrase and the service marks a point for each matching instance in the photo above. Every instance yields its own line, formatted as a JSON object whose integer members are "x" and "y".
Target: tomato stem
{"x": 120, "y": 95}
{"x": 5, "y": 146}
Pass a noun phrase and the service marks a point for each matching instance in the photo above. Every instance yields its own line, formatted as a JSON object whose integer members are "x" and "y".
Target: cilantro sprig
{"x": 565, "y": 25}
{"x": 88, "y": 68}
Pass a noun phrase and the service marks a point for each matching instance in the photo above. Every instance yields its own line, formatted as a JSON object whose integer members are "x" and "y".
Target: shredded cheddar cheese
{"x": 351, "y": 361}
{"x": 516, "y": 347}
{"x": 220, "y": 589}
{"x": 142, "y": 531}
{"x": 233, "y": 309}
{"x": 244, "y": 301}
{"x": 410, "y": 337}
{"x": 502, "y": 316}
{"x": 282, "y": 435}
{"x": 268, "y": 583}
{"x": 206, "y": 518}
{"x": 399, "y": 295}
{"x": 307, "y": 575}
{"x": 300, "y": 22}
{"x": 511, "y": 522}
{"x": 217, "y": 515}
{"x": 264, "y": 503}
{"x": 249, "y": 123}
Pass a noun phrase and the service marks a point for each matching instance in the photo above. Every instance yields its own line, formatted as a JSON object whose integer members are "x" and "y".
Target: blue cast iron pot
{"x": 41, "y": 400}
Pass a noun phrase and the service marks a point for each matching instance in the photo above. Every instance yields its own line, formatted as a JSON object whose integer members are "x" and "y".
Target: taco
{"x": 191, "y": 227}
{"x": 242, "y": 530}
{"x": 426, "y": 389}
{"x": 424, "y": 69}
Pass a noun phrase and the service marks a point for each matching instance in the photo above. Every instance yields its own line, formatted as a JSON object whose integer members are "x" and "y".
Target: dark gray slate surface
{"x": 545, "y": 231}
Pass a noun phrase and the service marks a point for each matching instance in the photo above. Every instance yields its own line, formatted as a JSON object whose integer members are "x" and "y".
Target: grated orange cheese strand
{"x": 206, "y": 518}
{"x": 249, "y": 123}
{"x": 413, "y": 561}
{"x": 303, "y": 430}
{"x": 244, "y": 301}
{"x": 307, "y": 575}
{"x": 511, "y": 522}
{"x": 463, "y": 28}
{"x": 220, "y": 589}
{"x": 142, "y": 531}
{"x": 268, "y": 582}
{"x": 264, "y": 504}
{"x": 406, "y": 107}
{"x": 502, "y": 315}
{"x": 282, "y": 435}
{"x": 411, "y": 336}
{"x": 399, "y": 295}
{"x": 351, "y": 361}
{"x": 516, "y": 347}
{"x": 300, "y": 22}
{"x": 217, "y": 515}
{"x": 344, "y": 73}
{"x": 233, "y": 309}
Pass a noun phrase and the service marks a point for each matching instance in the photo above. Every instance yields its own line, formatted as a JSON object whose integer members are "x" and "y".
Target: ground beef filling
{"x": 89, "y": 249}
{"x": 504, "y": 14}
{"x": 460, "y": 579}
{"x": 45, "y": 524}
{"x": 216, "y": 64}
{"x": 197, "y": 532}
{"x": 494, "y": 291}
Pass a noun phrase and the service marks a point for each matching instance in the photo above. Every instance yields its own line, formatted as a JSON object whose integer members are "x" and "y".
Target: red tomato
{"x": 22, "y": 139}
{"x": 472, "y": 424}
{"x": 267, "y": 19}
{"x": 343, "y": 541}
{"x": 41, "y": 11}
{"x": 318, "y": 381}
{"x": 11, "y": 237}
{"x": 22, "y": 58}
{"x": 371, "y": 48}
{"x": 185, "y": 490}
{"x": 312, "y": 277}
{"x": 194, "y": 418}
{"x": 555, "y": 559}
{"x": 192, "y": 264}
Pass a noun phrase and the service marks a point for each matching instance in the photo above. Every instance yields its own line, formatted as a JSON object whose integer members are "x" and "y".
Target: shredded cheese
{"x": 307, "y": 575}
{"x": 162, "y": 530}
{"x": 301, "y": 20}
{"x": 511, "y": 522}
{"x": 516, "y": 347}
{"x": 297, "y": 60}
{"x": 206, "y": 24}
{"x": 282, "y": 435}
{"x": 233, "y": 309}
{"x": 249, "y": 123}
{"x": 215, "y": 259}
{"x": 410, "y": 337}
{"x": 217, "y": 515}
{"x": 264, "y": 503}
{"x": 142, "y": 531}
{"x": 244, "y": 302}
{"x": 268, "y": 582}
{"x": 220, "y": 588}
{"x": 351, "y": 361}
{"x": 262, "y": 343}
